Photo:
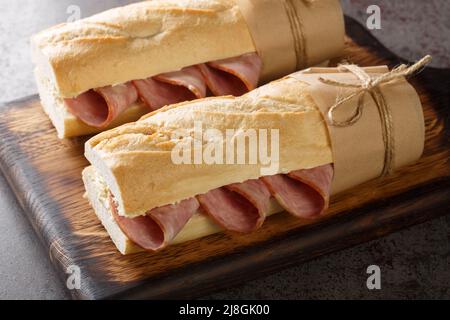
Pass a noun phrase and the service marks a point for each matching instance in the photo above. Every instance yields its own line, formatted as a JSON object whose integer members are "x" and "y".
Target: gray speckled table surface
{"x": 415, "y": 263}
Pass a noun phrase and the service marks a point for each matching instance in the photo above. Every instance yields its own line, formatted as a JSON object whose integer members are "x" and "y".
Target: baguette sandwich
{"x": 132, "y": 170}
{"x": 226, "y": 163}
{"x": 114, "y": 67}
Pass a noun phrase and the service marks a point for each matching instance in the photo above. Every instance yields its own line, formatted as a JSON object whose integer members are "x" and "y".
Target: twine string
{"x": 297, "y": 32}
{"x": 371, "y": 86}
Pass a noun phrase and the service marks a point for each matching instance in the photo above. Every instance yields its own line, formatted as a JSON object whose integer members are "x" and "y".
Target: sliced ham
{"x": 190, "y": 78}
{"x": 169, "y": 88}
{"x": 295, "y": 197}
{"x": 99, "y": 107}
{"x": 234, "y": 76}
{"x": 318, "y": 178}
{"x": 159, "y": 227}
{"x": 240, "y": 207}
{"x": 303, "y": 193}
{"x": 256, "y": 192}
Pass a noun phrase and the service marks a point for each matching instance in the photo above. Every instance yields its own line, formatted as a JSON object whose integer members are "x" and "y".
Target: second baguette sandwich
{"x": 113, "y": 67}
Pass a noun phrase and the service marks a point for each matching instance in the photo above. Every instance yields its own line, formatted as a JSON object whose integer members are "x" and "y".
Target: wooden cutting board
{"x": 44, "y": 173}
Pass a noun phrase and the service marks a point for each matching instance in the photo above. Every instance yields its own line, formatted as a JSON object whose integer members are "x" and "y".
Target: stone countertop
{"x": 414, "y": 262}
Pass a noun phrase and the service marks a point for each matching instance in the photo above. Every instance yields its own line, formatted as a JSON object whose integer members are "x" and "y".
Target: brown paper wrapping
{"x": 291, "y": 35}
{"x": 358, "y": 150}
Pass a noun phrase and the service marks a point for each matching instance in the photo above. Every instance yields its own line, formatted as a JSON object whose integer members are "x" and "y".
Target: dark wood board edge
{"x": 18, "y": 182}
{"x": 420, "y": 204}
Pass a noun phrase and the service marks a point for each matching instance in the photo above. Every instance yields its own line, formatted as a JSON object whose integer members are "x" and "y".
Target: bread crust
{"x": 121, "y": 44}
{"x": 135, "y": 159}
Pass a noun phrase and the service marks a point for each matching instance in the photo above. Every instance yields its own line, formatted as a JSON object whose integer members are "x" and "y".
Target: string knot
{"x": 367, "y": 84}
{"x": 371, "y": 85}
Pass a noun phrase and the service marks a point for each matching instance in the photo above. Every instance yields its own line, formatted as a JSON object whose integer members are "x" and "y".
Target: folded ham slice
{"x": 303, "y": 193}
{"x": 99, "y": 107}
{"x": 169, "y": 88}
{"x": 234, "y": 76}
{"x": 240, "y": 207}
{"x": 159, "y": 227}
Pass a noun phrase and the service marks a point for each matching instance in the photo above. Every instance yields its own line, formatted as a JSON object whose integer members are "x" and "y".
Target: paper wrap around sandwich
{"x": 289, "y": 34}
{"x": 359, "y": 150}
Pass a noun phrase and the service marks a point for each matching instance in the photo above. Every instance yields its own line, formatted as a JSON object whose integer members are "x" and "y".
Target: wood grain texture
{"x": 44, "y": 173}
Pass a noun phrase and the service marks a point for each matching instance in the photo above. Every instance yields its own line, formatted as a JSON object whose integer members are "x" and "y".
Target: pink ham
{"x": 240, "y": 207}
{"x": 303, "y": 193}
{"x": 318, "y": 178}
{"x": 256, "y": 192}
{"x": 159, "y": 227}
{"x": 234, "y": 76}
{"x": 169, "y": 88}
{"x": 99, "y": 107}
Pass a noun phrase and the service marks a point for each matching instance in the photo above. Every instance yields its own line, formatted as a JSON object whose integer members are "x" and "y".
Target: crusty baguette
{"x": 152, "y": 37}
{"x": 122, "y": 44}
{"x": 97, "y": 194}
{"x": 135, "y": 159}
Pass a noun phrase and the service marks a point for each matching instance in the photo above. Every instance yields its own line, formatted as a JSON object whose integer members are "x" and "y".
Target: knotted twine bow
{"x": 369, "y": 85}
